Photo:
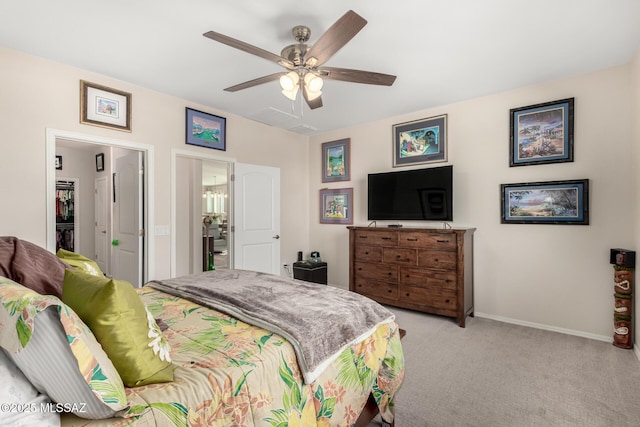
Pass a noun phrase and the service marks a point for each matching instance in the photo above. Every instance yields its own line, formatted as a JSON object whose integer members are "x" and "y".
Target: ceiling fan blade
{"x": 246, "y": 47}
{"x": 313, "y": 103}
{"x": 254, "y": 82}
{"x": 339, "y": 34}
{"x": 356, "y": 76}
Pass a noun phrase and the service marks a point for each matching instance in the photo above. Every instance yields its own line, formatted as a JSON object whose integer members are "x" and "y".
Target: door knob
{"x": 277, "y": 236}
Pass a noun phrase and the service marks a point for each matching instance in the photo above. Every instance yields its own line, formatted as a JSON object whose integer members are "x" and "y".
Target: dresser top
{"x": 414, "y": 229}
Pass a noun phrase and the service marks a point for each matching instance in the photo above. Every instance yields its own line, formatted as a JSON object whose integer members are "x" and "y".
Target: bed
{"x": 234, "y": 360}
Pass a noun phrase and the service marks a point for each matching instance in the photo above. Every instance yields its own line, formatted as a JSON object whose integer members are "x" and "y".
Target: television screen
{"x": 418, "y": 194}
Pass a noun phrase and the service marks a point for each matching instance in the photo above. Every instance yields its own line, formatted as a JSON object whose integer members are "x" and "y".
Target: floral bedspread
{"x": 228, "y": 373}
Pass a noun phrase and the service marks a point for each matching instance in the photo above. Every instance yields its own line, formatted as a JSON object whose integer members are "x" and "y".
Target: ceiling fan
{"x": 305, "y": 63}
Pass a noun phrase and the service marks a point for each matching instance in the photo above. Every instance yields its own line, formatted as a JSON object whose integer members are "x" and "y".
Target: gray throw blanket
{"x": 320, "y": 321}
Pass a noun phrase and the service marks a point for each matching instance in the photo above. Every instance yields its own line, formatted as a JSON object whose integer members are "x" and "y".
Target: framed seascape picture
{"x": 336, "y": 159}
{"x": 551, "y": 202}
{"x": 336, "y": 206}
{"x": 206, "y": 130}
{"x": 420, "y": 141}
{"x": 104, "y": 106}
{"x": 541, "y": 133}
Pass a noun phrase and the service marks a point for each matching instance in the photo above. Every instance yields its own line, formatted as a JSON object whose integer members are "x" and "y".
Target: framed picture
{"x": 59, "y": 163}
{"x": 552, "y": 202}
{"x": 420, "y": 141}
{"x": 336, "y": 206}
{"x": 336, "y": 159}
{"x": 206, "y": 130}
{"x": 541, "y": 133}
{"x": 99, "y": 162}
{"x": 104, "y": 106}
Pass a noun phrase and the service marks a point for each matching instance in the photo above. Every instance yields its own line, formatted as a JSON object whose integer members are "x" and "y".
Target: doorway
{"x": 201, "y": 212}
{"x": 80, "y": 154}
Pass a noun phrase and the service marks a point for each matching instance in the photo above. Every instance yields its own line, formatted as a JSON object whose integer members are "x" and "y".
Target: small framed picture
{"x": 59, "y": 163}
{"x": 541, "y": 133}
{"x": 551, "y": 202}
{"x": 206, "y": 130}
{"x": 99, "y": 162}
{"x": 336, "y": 158}
{"x": 336, "y": 206}
{"x": 104, "y": 106}
{"x": 420, "y": 141}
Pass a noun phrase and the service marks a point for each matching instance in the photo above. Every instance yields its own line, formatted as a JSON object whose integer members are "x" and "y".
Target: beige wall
{"x": 635, "y": 178}
{"x": 37, "y": 94}
{"x": 545, "y": 275}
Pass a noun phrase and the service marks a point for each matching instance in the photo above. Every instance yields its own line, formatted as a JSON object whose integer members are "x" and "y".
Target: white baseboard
{"x": 550, "y": 328}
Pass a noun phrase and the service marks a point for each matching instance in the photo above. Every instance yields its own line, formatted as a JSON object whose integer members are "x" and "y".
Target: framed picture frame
{"x": 336, "y": 160}
{"x": 551, "y": 202}
{"x": 104, "y": 106}
{"x": 206, "y": 130}
{"x": 336, "y": 206}
{"x": 99, "y": 162}
{"x": 541, "y": 133}
{"x": 59, "y": 163}
{"x": 420, "y": 141}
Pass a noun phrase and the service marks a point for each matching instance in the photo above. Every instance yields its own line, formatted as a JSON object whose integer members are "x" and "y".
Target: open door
{"x": 101, "y": 224}
{"x": 256, "y": 216}
{"x": 128, "y": 230}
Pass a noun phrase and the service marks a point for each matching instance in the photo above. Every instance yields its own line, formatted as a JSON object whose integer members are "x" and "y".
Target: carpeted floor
{"x": 496, "y": 374}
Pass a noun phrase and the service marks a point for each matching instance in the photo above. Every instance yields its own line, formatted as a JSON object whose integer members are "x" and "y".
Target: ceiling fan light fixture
{"x": 313, "y": 82}
{"x": 291, "y": 94}
{"x": 289, "y": 81}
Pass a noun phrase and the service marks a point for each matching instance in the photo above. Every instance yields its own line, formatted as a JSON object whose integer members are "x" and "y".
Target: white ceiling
{"x": 441, "y": 50}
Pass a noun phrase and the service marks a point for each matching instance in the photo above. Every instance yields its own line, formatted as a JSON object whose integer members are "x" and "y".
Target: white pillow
{"x": 19, "y": 397}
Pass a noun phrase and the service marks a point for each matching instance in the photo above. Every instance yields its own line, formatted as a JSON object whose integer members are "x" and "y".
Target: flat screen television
{"x": 417, "y": 194}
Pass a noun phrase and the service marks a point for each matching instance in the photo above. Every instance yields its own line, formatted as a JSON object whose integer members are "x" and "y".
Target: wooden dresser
{"x": 424, "y": 269}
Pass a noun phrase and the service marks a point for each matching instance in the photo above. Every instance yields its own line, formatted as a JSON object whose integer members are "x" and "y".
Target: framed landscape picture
{"x": 420, "y": 141}
{"x": 336, "y": 206}
{"x": 551, "y": 202}
{"x": 206, "y": 130}
{"x": 541, "y": 133}
{"x": 104, "y": 106}
{"x": 336, "y": 159}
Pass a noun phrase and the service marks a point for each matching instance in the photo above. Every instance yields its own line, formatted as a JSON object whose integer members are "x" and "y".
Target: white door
{"x": 101, "y": 232}
{"x": 256, "y": 214}
{"x": 127, "y": 219}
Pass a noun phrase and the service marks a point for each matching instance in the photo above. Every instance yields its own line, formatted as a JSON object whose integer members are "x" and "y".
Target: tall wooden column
{"x": 624, "y": 262}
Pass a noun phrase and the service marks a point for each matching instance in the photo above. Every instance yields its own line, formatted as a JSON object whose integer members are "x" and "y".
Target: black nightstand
{"x": 315, "y": 272}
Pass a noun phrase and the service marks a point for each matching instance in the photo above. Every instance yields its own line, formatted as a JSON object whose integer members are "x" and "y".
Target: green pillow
{"x": 80, "y": 262}
{"x": 121, "y": 323}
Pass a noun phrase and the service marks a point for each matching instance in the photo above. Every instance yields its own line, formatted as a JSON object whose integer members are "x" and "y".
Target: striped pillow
{"x": 58, "y": 353}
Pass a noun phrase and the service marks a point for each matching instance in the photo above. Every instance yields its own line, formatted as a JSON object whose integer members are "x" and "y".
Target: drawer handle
{"x": 447, "y": 301}
{"x": 359, "y": 268}
{"x": 386, "y": 238}
{"x": 390, "y": 274}
{"x": 436, "y": 259}
{"x": 442, "y": 241}
{"x": 366, "y": 253}
{"x": 407, "y": 293}
{"x": 390, "y": 290}
{"x": 412, "y": 240}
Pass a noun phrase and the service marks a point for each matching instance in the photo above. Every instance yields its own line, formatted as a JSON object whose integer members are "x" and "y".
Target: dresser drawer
{"x": 375, "y": 289}
{"x": 442, "y": 299}
{"x": 438, "y": 259}
{"x": 423, "y": 278}
{"x": 376, "y": 237}
{"x": 380, "y": 272}
{"x": 368, "y": 253}
{"x": 435, "y": 241}
{"x": 403, "y": 256}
